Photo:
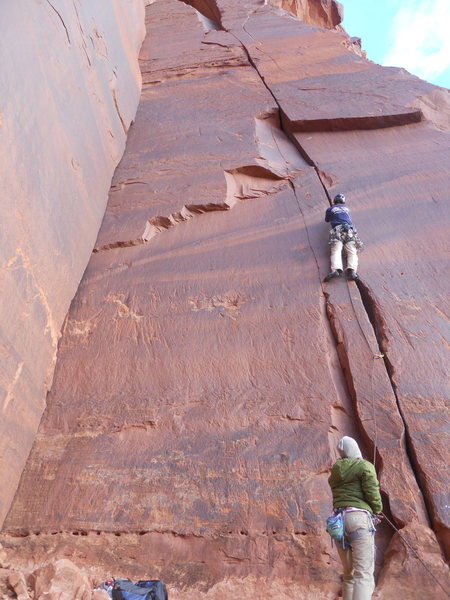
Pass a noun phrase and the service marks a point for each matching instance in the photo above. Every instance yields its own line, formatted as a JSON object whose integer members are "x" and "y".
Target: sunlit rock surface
{"x": 205, "y": 372}
{"x": 70, "y": 85}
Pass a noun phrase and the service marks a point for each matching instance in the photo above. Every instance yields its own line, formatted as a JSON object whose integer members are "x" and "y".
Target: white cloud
{"x": 421, "y": 39}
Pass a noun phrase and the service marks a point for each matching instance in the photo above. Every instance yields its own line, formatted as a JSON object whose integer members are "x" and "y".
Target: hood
{"x": 348, "y": 448}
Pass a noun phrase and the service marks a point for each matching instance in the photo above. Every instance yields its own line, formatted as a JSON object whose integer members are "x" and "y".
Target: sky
{"x": 413, "y": 34}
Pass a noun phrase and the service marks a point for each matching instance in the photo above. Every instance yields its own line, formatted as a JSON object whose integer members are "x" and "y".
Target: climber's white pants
{"x": 350, "y": 252}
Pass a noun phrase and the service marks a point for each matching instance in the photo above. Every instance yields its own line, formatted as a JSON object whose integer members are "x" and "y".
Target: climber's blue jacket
{"x": 338, "y": 215}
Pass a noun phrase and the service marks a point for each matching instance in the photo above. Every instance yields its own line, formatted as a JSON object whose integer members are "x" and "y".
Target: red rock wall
{"x": 70, "y": 86}
{"x": 322, "y": 13}
{"x": 205, "y": 372}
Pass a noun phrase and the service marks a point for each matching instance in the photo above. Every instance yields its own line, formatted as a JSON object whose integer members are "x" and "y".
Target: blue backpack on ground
{"x": 125, "y": 589}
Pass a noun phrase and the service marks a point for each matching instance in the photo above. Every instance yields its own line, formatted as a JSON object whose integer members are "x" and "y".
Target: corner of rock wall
{"x": 70, "y": 88}
{"x": 321, "y": 13}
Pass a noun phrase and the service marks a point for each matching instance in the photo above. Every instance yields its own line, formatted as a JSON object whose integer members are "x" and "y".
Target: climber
{"x": 343, "y": 235}
{"x": 356, "y": 494}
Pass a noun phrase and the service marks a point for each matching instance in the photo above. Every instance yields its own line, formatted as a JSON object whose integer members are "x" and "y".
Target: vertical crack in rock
{"x": 368, "y": 304}
{"x": 370, "y": 308}
{"x": 378, "y": 323}
{"x": 307, "y": 232}
{"x": 337, "y": 335}
{"x": 336, "y": 332}
{"x": 283, "y": 119}
{"x": 343, "y": 359}
{"x": 339, "y": 338}
{"x": 116, "y": 104}
{"x": 344, "y": 411}
{"x": 83, "y": 37}
{"x": 62, "y": 21}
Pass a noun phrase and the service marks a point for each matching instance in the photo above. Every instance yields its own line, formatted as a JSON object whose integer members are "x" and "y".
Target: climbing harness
{"x": 375, "y": 356}
{"x": 336, "y": 527}
{"x": 345, "y": 233}
{"x": 336, "y": 521}
{"x": 359, "y": 533}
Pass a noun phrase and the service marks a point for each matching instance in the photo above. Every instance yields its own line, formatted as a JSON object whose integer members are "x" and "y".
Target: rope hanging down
{"x": 375, "y": 357}
{"x": 425, "y": 566}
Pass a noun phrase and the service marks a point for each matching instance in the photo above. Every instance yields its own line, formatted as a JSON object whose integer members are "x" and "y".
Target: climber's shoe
{"x": 351, "y": 274}
{"x": 333, "y": 274}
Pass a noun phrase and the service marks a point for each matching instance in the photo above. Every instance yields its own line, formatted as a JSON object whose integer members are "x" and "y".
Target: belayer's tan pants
{"x": 350, "y": 252}
{"x": 359, "y": 560}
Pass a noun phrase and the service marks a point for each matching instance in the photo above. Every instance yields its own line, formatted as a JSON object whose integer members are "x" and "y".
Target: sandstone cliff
{"x": 205, "y": 372}
{"x": 70, "y": 86}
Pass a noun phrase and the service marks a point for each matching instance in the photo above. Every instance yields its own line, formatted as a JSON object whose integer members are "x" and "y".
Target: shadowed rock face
{"x": 322, "y": 13}
{"x": 205, "y": 372}
{"x": 70, "y": 87}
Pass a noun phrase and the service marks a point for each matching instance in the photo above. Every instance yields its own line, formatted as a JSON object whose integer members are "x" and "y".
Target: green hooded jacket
{"x": 354, "y": 482}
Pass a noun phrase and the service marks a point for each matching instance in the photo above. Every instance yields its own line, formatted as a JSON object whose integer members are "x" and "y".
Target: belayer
{"x": 343, "y": 236}
{"x": 357, "y": 504}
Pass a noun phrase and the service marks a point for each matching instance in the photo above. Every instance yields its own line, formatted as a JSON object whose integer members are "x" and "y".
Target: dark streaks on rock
{"x": 400, "y": 118}
{"x": 60, "y": 196}
{"x": 206, "y": 69}
{"x": 124, "y": 127}
{"x": 202, "y": 438}
{"x": 62, "y": 21}
{"x": 120, "y": 244}
{"x": 376, "y": 318}
{"x": 83, "y": 37}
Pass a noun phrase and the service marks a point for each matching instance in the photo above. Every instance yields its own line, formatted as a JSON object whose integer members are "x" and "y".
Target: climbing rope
{"x": 375, "y": 356}
{"x": 374, "y": 414}
{"x": 375, "y": 441}
{"x": 361, "y": 328}
{"x": 425, "y": 566}
{"x": 307, "y": 235}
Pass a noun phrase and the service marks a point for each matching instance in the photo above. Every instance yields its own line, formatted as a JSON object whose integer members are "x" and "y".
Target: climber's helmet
{"x": 339, "y": 199}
